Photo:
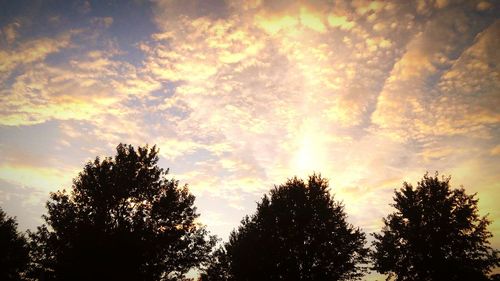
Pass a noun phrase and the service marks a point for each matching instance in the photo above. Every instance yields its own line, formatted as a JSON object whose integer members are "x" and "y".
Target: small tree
{"x": 122, "y": 220}
{"x": 298, "y": 233}
{"x": 13, "y": 249}
{"x": 435, "y": 233}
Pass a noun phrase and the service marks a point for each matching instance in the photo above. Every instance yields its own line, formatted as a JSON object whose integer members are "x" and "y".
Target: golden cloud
{"x": 33, "y": 51}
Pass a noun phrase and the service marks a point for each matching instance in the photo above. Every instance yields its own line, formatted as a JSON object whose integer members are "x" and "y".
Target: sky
{"x": 241, "y": 95}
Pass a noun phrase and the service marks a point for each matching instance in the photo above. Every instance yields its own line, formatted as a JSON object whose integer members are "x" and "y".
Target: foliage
{"x": 218, "y": 269}
{"x": 435, "y": 233}
{"x": 122, "y": 220}
{"x": 13, "y": 249}
{"x": 298, "y": 233}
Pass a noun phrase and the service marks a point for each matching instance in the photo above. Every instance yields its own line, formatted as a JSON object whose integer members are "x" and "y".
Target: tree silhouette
{"x": 122, "y": 220}
{"x": 218, "y": 269}
{"x": 13, "y": 249}
{"x": 298, "y": 233}
{"x": 435, "y": 233}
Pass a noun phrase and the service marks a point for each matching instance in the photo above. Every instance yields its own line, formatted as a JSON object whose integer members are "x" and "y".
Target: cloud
{"x": 42, "y": 178}
{"x": 495, "y": 150}
{"x": 104, "y": 22}
{"x": 483, "y": 6}
{"x": 340, "y": 21}
{"x": 273, "y": 97}
{"x": 470, "y": 87}
{"x": 231, "y": 52}
{"x": 172, "y": 148}
{"x": 84, "y": 7}
{"x": 10, "y": 32}
{"x": 425, "y": 110}
{"x": 23, "y": 201}
{"x": 173, "y": 10}
{"x": 32, "y": 51}
{"x": 44, "y": 93}
{"x": 93, "y": 88}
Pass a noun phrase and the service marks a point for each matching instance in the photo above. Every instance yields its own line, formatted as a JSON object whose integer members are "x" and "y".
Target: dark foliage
{"x": 13, "y": 249}
{"x": 122, "y": 220}
{"x": 218, "y": 269}
{"x": 298, "y": 233}
{"x": 435, "y": 233}
{"x": 495, "y": 277}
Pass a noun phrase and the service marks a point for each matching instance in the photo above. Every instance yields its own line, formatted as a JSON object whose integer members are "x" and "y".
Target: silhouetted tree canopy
{"x": 122, "y": 220}
{"x": 218, "y": 269}
{"x": 435, "y": 233}
{"x": 13, "y": 249}
{"x": 298, "y": 233}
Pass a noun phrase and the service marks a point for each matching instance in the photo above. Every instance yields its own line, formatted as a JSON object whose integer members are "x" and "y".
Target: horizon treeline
{"x": 124, "y": 219}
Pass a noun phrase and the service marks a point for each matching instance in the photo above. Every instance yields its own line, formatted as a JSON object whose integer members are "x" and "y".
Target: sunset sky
{"x": 241, "y": 95}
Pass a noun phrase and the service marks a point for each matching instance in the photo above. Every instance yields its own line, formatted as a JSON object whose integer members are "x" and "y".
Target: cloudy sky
{"x": 240, "y": 95}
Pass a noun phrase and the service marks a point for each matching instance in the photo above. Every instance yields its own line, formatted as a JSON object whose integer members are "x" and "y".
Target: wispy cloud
{"x": 31, "y": 51}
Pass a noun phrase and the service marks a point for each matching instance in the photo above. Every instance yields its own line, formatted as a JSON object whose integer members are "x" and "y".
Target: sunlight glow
{"x": 310, "y": 156}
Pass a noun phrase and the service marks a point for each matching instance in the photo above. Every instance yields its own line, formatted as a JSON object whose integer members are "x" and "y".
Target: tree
{"x": 298, "y": 233}
{"x": 13, "y": 249}
{"x": 218, "y": 269}
{"x": 122, "y": 220}
{"x": 435, "y": 233}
